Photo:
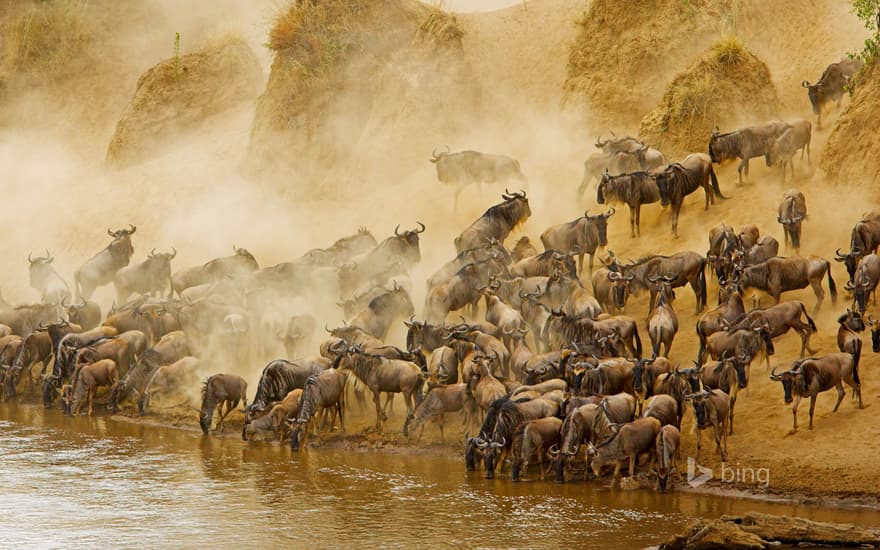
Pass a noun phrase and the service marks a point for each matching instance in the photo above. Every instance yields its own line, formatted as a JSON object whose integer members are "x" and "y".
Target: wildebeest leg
{"x": 94, "y": 389}
{"x": 840, "y": 394}
{"x": 699, "y": 443}
{"x": 379, "y": 414}
{"x": 797, "y": 401}
{"x": 745, "y": 165}
{"x": 581, "y": 263}
{"x": 439, "y": 425}
{"x": 632, "y": 222}
{"x": 813, "y": 403}
{"x": 389, "y": 397}
{"x": 816, "y": 283}
{"x": 616, "y": 476}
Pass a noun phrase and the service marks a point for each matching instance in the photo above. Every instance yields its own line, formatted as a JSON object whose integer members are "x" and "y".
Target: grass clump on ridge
{"x": 316, "y": 31}
{"x": 728, "y": 84}
{"x": 440, "y": 27}
{"x": 44, "y": 39}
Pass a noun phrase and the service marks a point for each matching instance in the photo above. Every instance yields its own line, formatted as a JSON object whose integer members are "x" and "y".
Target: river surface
{"x": 87, "y": 483}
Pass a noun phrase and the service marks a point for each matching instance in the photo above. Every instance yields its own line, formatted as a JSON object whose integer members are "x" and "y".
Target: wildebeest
{"x": 383, "y": 310}
{"x": 711, "y": 408}
{"x": 792, "y": 213}
{"x": 831, "y": 85}
{"x": 780, "y": 318}
{"x": 612, "y": 289}
{"x": 35, "y": 348}
{"x": 218, "y": 391}
{"x": 384, "y": 375}
{"x": 811, "y": 376}
{"x": 522, "y": 249}
{"x": 535, "y": 438}
{"x": 680, "y": 179}
{"x": 576, "y": 431}
{"x": 278, "y": 378}
{"x": 102, "y": 267}
{"x": 848, "y": 339}
{"x": 687, "y": 267}
{"x": 169, "y": 349}
{"x": 392, "y": 256}
{"x": 343, "y": 250}
{"x": 544, "y": 264}
{"x": 728, "y": 312}
{"x": 864, "y": 281}
{"x": 461, "y": 290}
{"x": 646, "y": 372}
{"x": 634, "y": 190}
{"x": 662, "y": 321}
{"x": 493, "y": 250}
{"x": 276, "y": 421}
{"x": 745, "y": 144}
{"x": 748, "y": 341}
{"x": 238, "y": 265}
{"x": 668, "y": 450}
{"x": 86, "y": 384}
{"x": 778, "y": 275}
{"x": 86, "y": 314}
{"x": 148, "y": 277}
{"x": 581, "y": 236}
{"x": 496, "y": 223}
{"x": 864, "y": 240}
{"x": 466, "y": 167}
{"x": 23, "y": 320}
{"x": 46, "y": 280}
{"x": 796, "y": 138}
{"x": 322, "y": 391}
{"x": 728, "y": 375}
{"x": 179, "y": 376}
{"x": 615, "y": 443}
{"x": 439, "y": 401}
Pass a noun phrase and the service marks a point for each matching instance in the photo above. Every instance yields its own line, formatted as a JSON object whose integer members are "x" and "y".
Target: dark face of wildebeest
{"x": 788, "y": 378}
{"x": 664, "y": 185}
{"x": 601, "y": 223}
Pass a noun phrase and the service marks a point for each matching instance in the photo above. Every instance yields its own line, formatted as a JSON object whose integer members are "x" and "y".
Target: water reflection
{"x": 90, "y": 482}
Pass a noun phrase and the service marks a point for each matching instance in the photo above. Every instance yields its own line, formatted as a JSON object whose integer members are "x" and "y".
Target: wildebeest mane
{"x": 510, "y": 211}
{"x": 307, "y": 400}
{"x": 276, "y": 380}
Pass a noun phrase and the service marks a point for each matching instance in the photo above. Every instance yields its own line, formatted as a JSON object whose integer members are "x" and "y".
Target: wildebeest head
{"x": 39, "y": 269}
{"x": 700, "y": 401}
{"x": 691, "y": 375}
{"x": 792, "y": 379}
{"x": 739, "y": 362}
{"x": 600, "y": 189}
{"x": 860, "y": 288}
{"x": 639, "y": 367}
{"x": 793, "y": 225}
{"x": 407, "y": 243}
{"x": 850, "y": 260}
{"x": 516, "y": 206}
{"x": 875, "y": 334}
{"x": 813, "y": 92}
{"x": 246, "y": 256}
{"x": 719, "y": 148}
{"x": 601, "y": 223}
{"x": 620, "y": 285}
{"x": 665, "y": 181}
{"x": 852, "y": 320}
{"x": 121, "y": 247}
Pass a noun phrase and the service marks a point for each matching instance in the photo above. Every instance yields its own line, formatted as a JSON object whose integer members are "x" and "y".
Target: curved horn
{"x": 152, "y": 253}
{"x": 422, "y": 230}
{"x": 173, "y": 253}
{"x": 30, "y": 260}
{"x": 805, "y": 83}
{"x": 397, "y": 231}
{"x": 610, "y": 213}
{"x": 773, "y": 376}
{"x": 110, "y": 232}
{"x": 132, "y": 229}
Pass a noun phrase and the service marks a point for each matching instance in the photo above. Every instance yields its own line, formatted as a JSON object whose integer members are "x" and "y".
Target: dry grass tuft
{"x": 728, "y": 85}
{"x": 440, "y": 27}
{"x": 43, "y": 40}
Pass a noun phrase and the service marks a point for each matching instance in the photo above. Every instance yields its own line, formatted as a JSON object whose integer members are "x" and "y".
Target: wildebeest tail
{"x": 701, "y": 336}
{"x": 638, "y": 343}
{"x": 831, "y": 286}
{"x": 715, "y": 187}
{"x": 419, "y": 396}
{"x": 810, "y": 319}
{"x": 857, "y": 355}
{"x": 656, "y": 336}
{"x": 701, "y": 280}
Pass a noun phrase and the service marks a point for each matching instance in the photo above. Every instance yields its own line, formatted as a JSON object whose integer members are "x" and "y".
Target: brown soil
{"x": 853, "y": 150}
{"x": 727, "y": 86}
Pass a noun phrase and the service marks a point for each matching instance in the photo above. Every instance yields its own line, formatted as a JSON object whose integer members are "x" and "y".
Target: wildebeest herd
{"x": 541, "y": 356}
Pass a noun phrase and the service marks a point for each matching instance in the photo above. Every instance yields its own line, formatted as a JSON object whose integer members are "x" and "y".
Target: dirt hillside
{"x": 853, "y": 150}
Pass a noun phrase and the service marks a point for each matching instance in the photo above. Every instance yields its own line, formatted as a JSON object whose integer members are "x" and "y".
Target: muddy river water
{"x": 79, "y": 482}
